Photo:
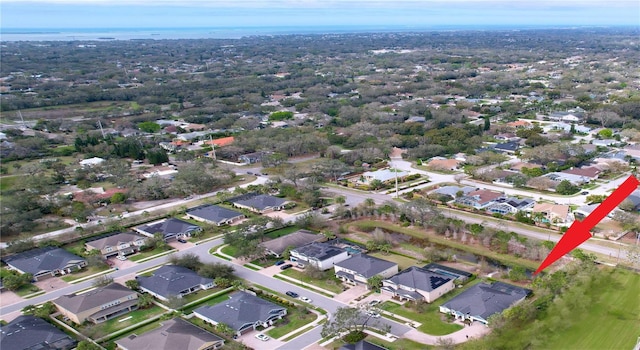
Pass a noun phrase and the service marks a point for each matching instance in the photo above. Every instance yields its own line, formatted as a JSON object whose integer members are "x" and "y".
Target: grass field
{"x": 294, "y": 320}
{"x": 402, "y": 261}
{"x": 612, "y": 322}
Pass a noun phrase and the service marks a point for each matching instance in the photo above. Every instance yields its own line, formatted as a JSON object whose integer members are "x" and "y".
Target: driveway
{"x": 349, "y": 296}
{"x": 251, "y": 341}
{"x": 8, "y": 298}
{"x": 180, "y": 246}
{"x": 50, "y": 283}
{"x": 272, "y": 270}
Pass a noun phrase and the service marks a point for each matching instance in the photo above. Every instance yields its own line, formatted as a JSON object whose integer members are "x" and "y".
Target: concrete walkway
{"x": 476, "y": 330}
{"x": 307, "y": 327}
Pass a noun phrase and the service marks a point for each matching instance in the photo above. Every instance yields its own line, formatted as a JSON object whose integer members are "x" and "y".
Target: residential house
{"x": 506, "y": 137}
{"x": 173, "y": 280}
{"x": 520, "y": 124}
{"x": 224, "y": 141}
{"x": 633, "y": 151}
{"x": 294, "y": 240}
{"x": 359, "y": 268}
{"x": 418, "y": 284}
{"x": 569, "y": 116}
{"x": 172, "y": 335}
{"x": 444, "y": 164}
{"x": 116, "y": 244}
{"x": 191, "y": 136}
{"x": 605, "y": 142}
{"x": 552, "y": 213}
{"x": 45, "y": 262}
{"x": 28, "y": 332}
{"x": 483, "y": 300}
{"x": 510, "y": 205}
{"x": 577, "y": 180}
{"x": 322, "y": 255}
{"x": 252, "y": 158}
{"x": 521, "y": 165}
{"x": 243, "y": 312}
{"x": 591, "y": 173}
{"x": 507, "y": 147}
{"x": 454, "y": 191}
{"x": 91, "y": 162}
{"x": 98, "y": 305}
{"x": 259, "y": 203}
{"x": 382, "y": 175}
{"x": 479, "y": 199}
{"x": 362, "y": 345}
{"x": 460, "y": 275}
{"x": 634, "y": 200}
{"x": 214, "y": 214}
{"x": 171, "y": 228}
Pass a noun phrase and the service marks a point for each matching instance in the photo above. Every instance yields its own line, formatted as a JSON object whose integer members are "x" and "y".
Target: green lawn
{"x": 294, "y": 320}
{"x": 230, "y": 250}
{"x": 431, "y": 318}
{"x": 7, "y": 182}
{"x": 282, "y": 232}
{"x": 26, "y": 290}
{"x": 212, "y": 301}
{"x": 148, "y": 253}
{"x": 331, "y": 283}
{"x": 611, "y": 322}
{"x": 402, "y": 261}
{"x": 87, "y": 271}
{"x": 108, "y": 327}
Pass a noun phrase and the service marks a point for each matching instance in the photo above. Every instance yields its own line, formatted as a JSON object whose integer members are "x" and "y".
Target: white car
{"x": 305, "y": 299}
{"x": 121, "y": 257}
{"x": 262, "y": 337}
{"x": 373, "y": 314}
{"x": 374, "y": 302}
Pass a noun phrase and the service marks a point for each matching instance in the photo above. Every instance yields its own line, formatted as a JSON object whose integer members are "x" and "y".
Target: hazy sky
{"x": 243, "y": 13}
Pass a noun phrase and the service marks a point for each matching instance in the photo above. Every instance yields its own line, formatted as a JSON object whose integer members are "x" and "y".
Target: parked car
{"x": 305, "y": 299}
{"x": 121, "y": 257}
{"x": 279, "y": 262}
{"x": 301, "y": 265}
{"x": 181, "y": 240}
{"x": 584, "y": 193}
{"x": 286, "y": 266}
{"x": 292, "y": 294}
{"x": 373, "y": 314}
{"x": 374, "y": 302}
{"x": 262, "y": 337}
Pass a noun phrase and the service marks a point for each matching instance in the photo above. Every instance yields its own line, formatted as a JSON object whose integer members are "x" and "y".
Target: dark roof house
{"x": 362, "y": 345}
{"x": 243, "y": 312}
{"x": 28, "y": 332}
{"x": 173, "y": 280}
{"x": 260, "y": 203}
{"x": 45, "y": 262}
{"x": 174, "y": 334}
{"x": 170, "y": 228}
{"x": 507, "y": 147}
{"x": 359, "y": 268}
{"x": 322, "y": 255}
{"x": 449, "y": 271}
{"x": 416, "y": 283}
{"x": 482, "y": 300}
{"x": 297, "y": 239}
{"x": 122, "y": 243}
{"x": 214, "y": 214}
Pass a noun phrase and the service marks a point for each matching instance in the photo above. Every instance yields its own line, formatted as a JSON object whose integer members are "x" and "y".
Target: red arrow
{"x": 579, "y": 231}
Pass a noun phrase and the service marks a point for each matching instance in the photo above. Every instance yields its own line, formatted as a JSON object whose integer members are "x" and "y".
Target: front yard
{"x": 293, "y": 321}
{"x": 100, "y": 330}
{"x": 148, "y": 253}
{"x": 329, "y": 282}
{"x": 85, "y": 272}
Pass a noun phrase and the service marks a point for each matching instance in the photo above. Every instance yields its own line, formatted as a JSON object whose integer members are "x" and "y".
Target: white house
{"x": 322, "y": 255}
{"x": 91, "y": 162}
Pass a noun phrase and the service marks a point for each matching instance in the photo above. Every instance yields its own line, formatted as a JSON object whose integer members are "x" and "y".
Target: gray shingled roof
{"x": 170, "y": 227}
{"x": 361, "y": 345}
{"x": 40, "y": 260}
{"x": 367, "y": 266}
{"x": 319, "y": 250}
{"x": 484, "y": 300}
{"x": 295, "y": 239}
{"x": 419, "y": 278}
{"x": 172, "y": 335}
{"x": 114, "y": 240}
{"x": 171, "y": 280}
{"x": 77, "y": 303}
{"x": 240, "y": 310}
{"x": 214, "y": 213}
{"x": 259, "y": 202}
{"x": 30, "y": 332}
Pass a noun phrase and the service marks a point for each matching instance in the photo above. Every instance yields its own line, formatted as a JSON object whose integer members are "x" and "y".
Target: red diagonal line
{"x": 579, "y": 230}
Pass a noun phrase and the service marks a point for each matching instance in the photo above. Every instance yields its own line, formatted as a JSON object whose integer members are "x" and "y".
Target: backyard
{"x": 102, "y": 329}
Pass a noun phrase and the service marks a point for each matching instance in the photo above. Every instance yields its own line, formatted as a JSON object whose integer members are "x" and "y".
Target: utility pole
{"x": 213, "y": 147}
{"x": 101, "y": 130}
{"x": 22, "y": 119}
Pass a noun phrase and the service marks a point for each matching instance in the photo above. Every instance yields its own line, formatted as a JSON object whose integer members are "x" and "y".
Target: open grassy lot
{"x": 294, "y": 320}
{"x": 611, "y": 322}
{"x": 330, "y": 283}
{"x": 430, "y": 316}
{"x": 368, "y": 225}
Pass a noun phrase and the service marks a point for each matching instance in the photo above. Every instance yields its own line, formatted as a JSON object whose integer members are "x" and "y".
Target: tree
{"x": 175, "y": 302}
{"x": 157, "y": 156}
{"x": 132, "y": 284}
{"x": 216, "y": 270}
{"x": 189, "y": 260}
{"x": 145, "y": 300}
{"x": 605, "y": 133}
{"x": 345, "y": 319}
{"x": 375, "y": 282}
{"x": 117, "y": 198}
{"x": 15, "y": 281}
{"x": 149, "y": 127}
{"x": 222, "y": 282}
{"x": 225, "y": 329}
{"x": 487, "y": 123}
{"x": 102, "y": 281}
{"x": 565, "y": 187}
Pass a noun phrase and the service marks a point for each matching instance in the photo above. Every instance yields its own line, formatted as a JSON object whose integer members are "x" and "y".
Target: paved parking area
{"x": 251, "y": 341}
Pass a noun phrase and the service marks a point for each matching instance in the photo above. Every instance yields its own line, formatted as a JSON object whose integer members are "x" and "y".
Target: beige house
{"x": 553, "y": 213}
{"x": 116, "y": 244}
{"x": 98, "y": 305}
{"x": 444, "y": 164}
{"x": 359, "y": 268}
